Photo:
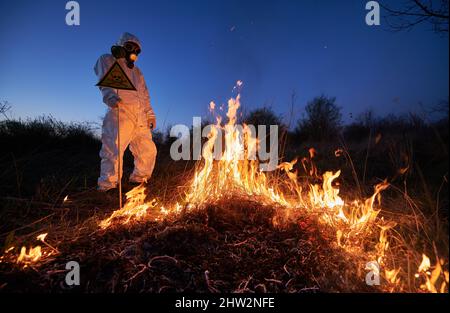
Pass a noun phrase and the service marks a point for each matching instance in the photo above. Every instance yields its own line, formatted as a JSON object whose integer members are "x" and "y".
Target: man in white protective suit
{"x": 137, "y": 118}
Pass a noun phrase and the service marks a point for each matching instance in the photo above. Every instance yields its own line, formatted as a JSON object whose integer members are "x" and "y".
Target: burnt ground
{"x": 229, "y": 247}
{"x": 232, "y": 246}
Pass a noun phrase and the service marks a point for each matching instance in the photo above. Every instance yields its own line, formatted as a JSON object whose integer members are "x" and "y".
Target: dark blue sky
{"x": 194, "y": 51}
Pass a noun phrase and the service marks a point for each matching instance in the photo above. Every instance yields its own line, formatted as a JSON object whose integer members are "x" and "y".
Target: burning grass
{"x": 227, "y": 247}
{"x": 233, "y": 245}
{"x": 229, "y": 227}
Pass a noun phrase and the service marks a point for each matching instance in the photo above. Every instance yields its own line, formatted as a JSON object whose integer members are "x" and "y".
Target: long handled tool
{"x": 119, "y": 156}
{"x": 117, "y": 78}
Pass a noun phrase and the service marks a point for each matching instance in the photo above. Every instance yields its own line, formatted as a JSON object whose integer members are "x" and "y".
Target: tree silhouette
{"x": 414, "y": 12}
{"x": 322, "y": 121}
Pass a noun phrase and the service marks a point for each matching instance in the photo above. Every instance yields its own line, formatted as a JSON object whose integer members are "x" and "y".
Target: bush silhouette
{"x": 322, "y": 121}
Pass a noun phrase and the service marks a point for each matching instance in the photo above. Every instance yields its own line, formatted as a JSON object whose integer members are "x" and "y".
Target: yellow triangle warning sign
{"x": 116, "y": 78}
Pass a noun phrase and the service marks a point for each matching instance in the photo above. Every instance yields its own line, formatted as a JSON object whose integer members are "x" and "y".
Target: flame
{"x": 391, "y": 276}
{"x": 29, "y": 256}
{"x": 33, "y": 255}
{"x": 383, "y": 243}
{"x": 425, "y": 265}
{"x": 432, "y": 279}
{"x": 42, "y": 237}
{"x": 135, "y": 208}
{"x": 234, "y": 173}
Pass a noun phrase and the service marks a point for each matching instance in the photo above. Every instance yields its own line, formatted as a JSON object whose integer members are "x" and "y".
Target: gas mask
{"x": 129, "y": 51}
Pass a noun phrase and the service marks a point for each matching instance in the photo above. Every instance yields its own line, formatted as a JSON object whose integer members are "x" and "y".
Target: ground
{"x": 235, "y": 245}
{"x": 223, "y": 248}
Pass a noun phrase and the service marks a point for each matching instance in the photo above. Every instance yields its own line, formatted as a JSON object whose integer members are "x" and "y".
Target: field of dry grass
{"x": 47, "y": 185}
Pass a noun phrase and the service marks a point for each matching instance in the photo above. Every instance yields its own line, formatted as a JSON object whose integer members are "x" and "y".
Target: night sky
{"x": 194, "y": 52}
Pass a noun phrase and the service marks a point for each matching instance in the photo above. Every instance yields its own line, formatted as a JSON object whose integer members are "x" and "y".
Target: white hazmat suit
{"x": 136, "y": 114}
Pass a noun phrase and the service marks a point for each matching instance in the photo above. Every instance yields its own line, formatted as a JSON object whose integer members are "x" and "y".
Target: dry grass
{"x": 232, "y": 246}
